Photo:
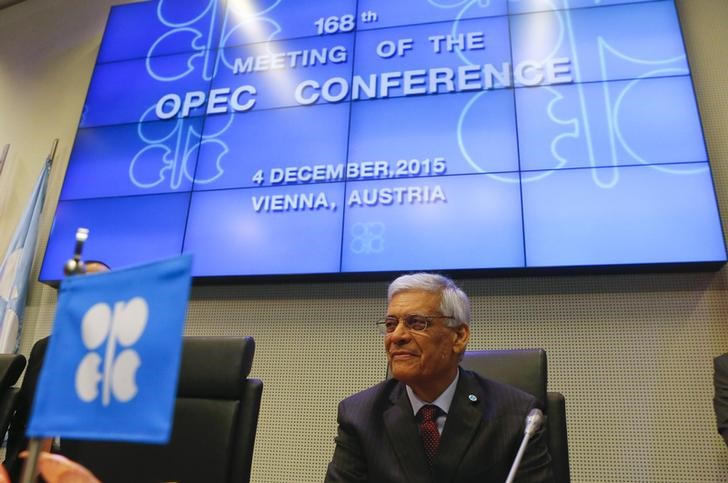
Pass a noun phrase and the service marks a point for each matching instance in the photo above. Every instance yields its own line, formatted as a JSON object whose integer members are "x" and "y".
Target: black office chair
{"x": 526, "y": 369}
{"x": 11, "y": 366}
{"x": 215, "y": 421}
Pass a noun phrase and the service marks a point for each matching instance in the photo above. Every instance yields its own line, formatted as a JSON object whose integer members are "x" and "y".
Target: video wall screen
{"x": 287, "y": 137}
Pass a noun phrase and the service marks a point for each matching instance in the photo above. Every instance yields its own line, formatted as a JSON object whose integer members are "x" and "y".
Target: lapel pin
{"x": 473, "y": 398}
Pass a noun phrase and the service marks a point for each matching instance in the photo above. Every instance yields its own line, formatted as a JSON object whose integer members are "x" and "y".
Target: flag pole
{"x": 52, "y": 154}
{"x": 74, "y": 266}
{"x": 31, "y": 463}
{"x": 3, "y": 157}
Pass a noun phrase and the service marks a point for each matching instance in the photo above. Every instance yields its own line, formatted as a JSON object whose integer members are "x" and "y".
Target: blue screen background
{"x": 487, "y": 159}
{"x": 148, "y": 227}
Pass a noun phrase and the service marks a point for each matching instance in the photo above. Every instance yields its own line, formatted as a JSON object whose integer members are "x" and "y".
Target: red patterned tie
{"x": 428, "y": 430}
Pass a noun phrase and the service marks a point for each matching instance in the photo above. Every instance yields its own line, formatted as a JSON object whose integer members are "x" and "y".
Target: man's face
{"x": 425, "y": 360}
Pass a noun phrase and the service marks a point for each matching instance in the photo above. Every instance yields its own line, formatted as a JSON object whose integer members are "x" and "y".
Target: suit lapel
{"x": 405, "y": 437}
{"x": 463, "y": 421}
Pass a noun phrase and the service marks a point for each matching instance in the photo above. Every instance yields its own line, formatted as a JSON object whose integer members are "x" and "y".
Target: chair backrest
{"x": 215, "y": 421}
{"x": 527, "y": 370}
{"x": 11, "y": 366}
{"x": 22, "y": 402}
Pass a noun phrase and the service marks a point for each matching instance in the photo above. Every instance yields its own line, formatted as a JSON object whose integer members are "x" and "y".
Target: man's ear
{"x": 462, "y": 336}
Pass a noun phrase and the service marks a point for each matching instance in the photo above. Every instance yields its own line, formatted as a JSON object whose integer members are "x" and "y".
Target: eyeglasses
{"x": 413, "y": 322}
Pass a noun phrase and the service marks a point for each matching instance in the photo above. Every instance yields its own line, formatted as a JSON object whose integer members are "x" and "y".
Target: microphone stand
{"x": 533, "y": 422}
{"x": 74, "y": 266}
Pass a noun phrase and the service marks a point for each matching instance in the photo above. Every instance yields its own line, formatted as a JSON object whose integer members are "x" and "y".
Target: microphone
{"x": 75, "y": 265}
{"x": 534, "y": 420}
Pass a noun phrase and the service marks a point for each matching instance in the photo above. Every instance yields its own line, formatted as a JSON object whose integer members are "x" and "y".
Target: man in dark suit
{"x": 720, "y": 401}
{"x": 433, "y": 422}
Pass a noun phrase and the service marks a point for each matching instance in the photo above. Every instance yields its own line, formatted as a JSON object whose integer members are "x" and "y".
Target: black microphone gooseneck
{"x": 75, "y": 265}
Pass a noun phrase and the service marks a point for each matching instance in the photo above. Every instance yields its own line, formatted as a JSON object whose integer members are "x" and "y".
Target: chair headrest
{"x": 11, "y": 366}
{"x": 523, "y": 368}
{"x": 214, "y": 367}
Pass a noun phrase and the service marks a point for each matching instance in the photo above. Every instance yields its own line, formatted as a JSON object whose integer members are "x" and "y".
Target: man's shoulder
{"x": 374, "y": 395}
{"x": 497, "y": 393}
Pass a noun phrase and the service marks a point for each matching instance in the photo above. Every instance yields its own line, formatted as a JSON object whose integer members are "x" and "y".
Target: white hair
{"x": 453, "y": 301}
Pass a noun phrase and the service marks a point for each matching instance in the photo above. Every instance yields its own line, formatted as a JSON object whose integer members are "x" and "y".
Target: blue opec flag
{"x": 113, "y": 358}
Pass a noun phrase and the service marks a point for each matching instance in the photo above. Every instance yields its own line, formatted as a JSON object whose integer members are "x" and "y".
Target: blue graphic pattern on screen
{"x": 318, "y": 134}
{"x": 289, "y": 229}
{"x": 127, "y": 230}
{"x": 383, "y": 232}
{"x": 621, "y": 42}
{"x": 294, "y": 137}
{"x": 425, "y": 144}
{"x": 635, "y": 127}
{"x": 648, "y": 214}
{"x": 126, "y": 92}
{"x": 152, "y": 29}
{"x": 134, "y": 159}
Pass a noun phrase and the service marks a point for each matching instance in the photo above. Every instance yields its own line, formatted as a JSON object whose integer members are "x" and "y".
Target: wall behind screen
{"x": 632, "y": 353}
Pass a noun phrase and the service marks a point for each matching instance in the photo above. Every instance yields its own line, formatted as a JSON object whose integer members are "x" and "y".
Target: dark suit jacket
{"x": 720, "y": 401}
{"x": 378, "y": 440}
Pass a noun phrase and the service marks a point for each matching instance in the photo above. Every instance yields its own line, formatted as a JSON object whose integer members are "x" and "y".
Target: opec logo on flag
{"x": 113, "y": 357}
{"x": 119, "y": 328}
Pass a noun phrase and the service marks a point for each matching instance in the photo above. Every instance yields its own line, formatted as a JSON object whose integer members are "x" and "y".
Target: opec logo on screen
{"x": 113, "y": 357}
